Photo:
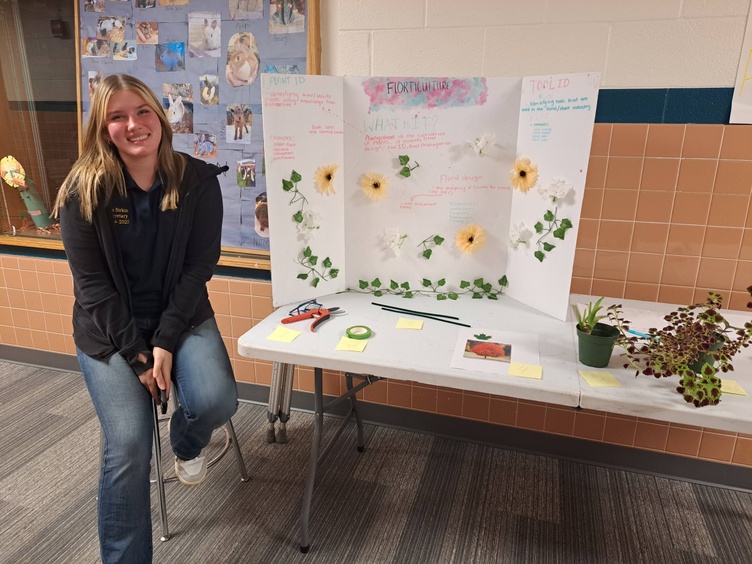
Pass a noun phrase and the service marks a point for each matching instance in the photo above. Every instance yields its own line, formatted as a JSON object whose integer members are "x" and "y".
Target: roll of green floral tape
{"x": 358, "y": 332}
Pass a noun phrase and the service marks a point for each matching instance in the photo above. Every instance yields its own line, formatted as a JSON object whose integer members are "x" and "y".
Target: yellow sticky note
{"x": 732, "y": 387}
{"x": 599, "y": 378}
{"x": 283, "y": 334}
{"x": 409, "y": 323}
{"x": 352, "y": 345}
{"x": 525, "y": 370}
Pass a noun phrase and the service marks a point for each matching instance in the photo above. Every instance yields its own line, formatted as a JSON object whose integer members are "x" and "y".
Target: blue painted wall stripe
{"x": 620, "y": 105}
{"x": 664, "y": 105}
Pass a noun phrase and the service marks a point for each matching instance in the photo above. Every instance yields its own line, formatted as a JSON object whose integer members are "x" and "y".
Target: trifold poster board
{"x": 426, "y": 185}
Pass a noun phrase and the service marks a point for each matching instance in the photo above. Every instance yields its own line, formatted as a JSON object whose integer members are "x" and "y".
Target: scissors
{"x": 319, "y": 315}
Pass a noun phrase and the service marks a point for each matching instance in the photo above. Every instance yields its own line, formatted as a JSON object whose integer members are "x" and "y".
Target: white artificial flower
{"x": 481, "y": 143}
{"x": 518, "y": 233}
{"x": 393, "y": 241}
{"x": 308, "y": 225}
{"x": 557, "y": 190}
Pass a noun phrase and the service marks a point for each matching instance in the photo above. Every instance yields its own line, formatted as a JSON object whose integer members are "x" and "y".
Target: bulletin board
{"x": 204, "y": 59}
{"x": 427, "y": 185}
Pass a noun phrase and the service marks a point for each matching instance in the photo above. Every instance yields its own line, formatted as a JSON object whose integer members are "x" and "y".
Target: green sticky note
{"x": 732, "y": 387}
{"x": 352, "y": 345}
{"x": 525, "y": 370}
{"x": 599, "y": 378}
{"x": 283, "y": 334}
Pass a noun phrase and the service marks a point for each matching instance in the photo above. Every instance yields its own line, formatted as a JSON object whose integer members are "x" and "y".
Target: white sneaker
{"x": 191, "y": 472}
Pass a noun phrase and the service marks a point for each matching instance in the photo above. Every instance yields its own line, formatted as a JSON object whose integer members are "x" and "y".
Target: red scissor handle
{"x": 320, "y": 314}
{"x": 305, "y": 315}
{"x": 319, "y": 319}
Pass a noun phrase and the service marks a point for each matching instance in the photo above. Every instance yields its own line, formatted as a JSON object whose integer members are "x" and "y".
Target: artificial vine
{"x": 434, "y": 240}
{"x": 557, "y": 228}
{"x": 406, "y": 169}
{"x": 316, "y": 272}
{"x": 479, "y": 288}
{"x": 297, "y": 196}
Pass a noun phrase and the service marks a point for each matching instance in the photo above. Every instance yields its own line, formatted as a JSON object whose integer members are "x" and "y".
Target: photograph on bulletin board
{"x": 203, "y": 60}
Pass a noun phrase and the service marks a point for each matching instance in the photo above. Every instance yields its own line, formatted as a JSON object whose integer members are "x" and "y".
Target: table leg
{"x": 318, "y": 424}
{"x": 354, "y": 407}
{"x": 272, "y": 410}
{"x": 284, "y": 410}
{"x": 280, "y": 392}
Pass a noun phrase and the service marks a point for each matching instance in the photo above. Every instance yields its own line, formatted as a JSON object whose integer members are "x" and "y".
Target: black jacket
{"x": 103, "y": 323}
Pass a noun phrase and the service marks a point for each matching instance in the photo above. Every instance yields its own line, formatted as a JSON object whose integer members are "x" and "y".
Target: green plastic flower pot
{"x": 595, "y": 348}
{"x": 703, "y": 358}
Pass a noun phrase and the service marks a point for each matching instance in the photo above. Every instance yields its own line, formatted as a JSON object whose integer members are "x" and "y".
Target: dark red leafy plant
{"x": 696, "y": 344}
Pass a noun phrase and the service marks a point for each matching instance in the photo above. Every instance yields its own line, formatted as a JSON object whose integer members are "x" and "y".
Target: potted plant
{"x": 696, "y": 344}
{"x": 596, "y": 340}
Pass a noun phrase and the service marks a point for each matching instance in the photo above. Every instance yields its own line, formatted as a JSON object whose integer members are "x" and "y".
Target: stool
{"x": 161, "y": 480}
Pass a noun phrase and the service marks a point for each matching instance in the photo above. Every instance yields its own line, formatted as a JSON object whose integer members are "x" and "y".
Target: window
{"x": 38, "y": 111}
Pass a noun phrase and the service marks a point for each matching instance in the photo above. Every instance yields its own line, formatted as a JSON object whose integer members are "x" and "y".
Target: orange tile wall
{"x": 666, "y": 216}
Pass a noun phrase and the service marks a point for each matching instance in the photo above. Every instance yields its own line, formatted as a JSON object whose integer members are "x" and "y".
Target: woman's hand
{"x": 150, "y": 383}
{"x": 162, "y": 371}
{"x": 159, "y": 376}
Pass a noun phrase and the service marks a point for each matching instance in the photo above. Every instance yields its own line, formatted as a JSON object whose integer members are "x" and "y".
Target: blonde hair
{"x": 99, "y": 170}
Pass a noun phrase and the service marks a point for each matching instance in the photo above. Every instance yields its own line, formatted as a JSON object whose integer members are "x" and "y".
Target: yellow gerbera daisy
{"x": 470, "y": 238}
{"x": 524, "y": 175}
{"x": 324, "y": 179}
{"x": 12, "y": 172}
{"x": 374, "y": 186}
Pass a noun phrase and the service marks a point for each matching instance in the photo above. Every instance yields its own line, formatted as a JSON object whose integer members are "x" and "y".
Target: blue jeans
{"x": 203, "y": 379}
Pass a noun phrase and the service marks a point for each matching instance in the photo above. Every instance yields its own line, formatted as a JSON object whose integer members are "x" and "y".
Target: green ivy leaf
{"x": 303, "y": 276}
{"x": 503, "y": 282}
{"x": 427, "y": 253}
{"x": 538, "y": 227}
{"x": 298, "y": 217}
{"x": 441, "y": 297}
{"x": 539, "y": 255}
{"x": 479, "y": 282}
{"x": 376, "y": 283}
{"x": 408, "y": 294}
{"x": 477, "y": 296}
{"x": 362, "y": 284}
{"x": 566, "y": 223}
{"x": 404, "y": 159}
{"x": 441, "y": 282}
{"x": 393, "y": 285}
{"x": 487, "y": 287}
{"x": 405, "y": 172}
{"x": 378, "y": 293}
{"x": 548, "y": 247}
{"x": 307, "y": 252}
{"x": 315, "y": 281}
{"x": 405, "y": 285}
{"x": 295, "y": 177}
{"x": 426, "y": 283}
{"x": 438, "y": 240}
{"x": 464, "y": 284}
{"x": 313, "y": 259}
{"x": 559, "y": 233}
{"x": 453, "y": 295}
{"x": 482, "y": 337}
{"x": 327, "y": 263}
{"x": 334, "y": 272}
{"x": 548, "y": 216}
{"x": 287, "y": 185}
{"x": 491, "y": 296}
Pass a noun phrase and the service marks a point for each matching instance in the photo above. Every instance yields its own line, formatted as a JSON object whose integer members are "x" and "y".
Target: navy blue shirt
{"x": 144, "y": 235}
